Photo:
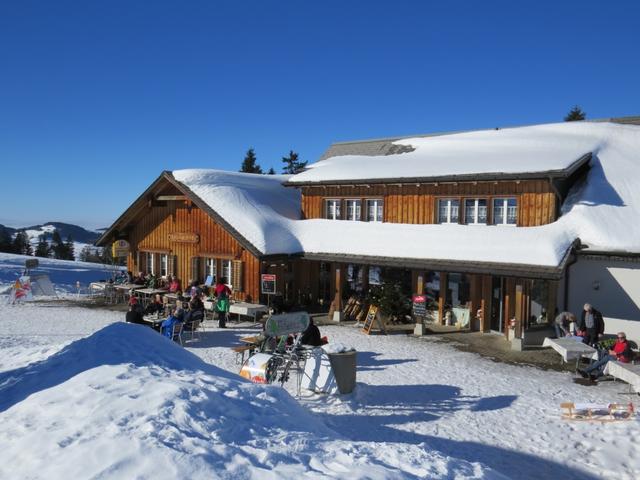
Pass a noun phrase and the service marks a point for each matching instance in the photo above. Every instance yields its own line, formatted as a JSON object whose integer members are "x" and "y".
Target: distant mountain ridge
{"x": 79, "y": 234}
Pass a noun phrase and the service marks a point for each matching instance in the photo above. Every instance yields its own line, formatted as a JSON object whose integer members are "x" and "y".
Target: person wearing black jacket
{"x": 311, "y": 336}
{"x": 134, "y": 316}
{"x": 592, "y": 323}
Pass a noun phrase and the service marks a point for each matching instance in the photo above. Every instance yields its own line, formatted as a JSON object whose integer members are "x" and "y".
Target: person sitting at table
{"x": 174, "y": 285}
{"x": 166, "y": 329}
{"x": 133, "y": 301}
{"x": 140, "y": 279}
{"x": 620, "y": 352}
{"x": 156, "y": 307}
{"x": 222, "y": 293}
{"x": 311, "y": 336}
{"x": 134, "y": 316}
{"x": 152, "y": 281}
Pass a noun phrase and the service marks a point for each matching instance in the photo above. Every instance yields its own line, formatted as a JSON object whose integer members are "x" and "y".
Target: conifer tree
{"x": 69, "y": 250}
{"x": 5, "y": 241}
{"x": 57, "y": 246}
{"x": 249, "y": 164}
{"x": 291, "y": 164}
{"x": 271, "y": 171}
{"x": 21, "y": 244}
{"x": 42, "y": 249}
{"x": 575, "y": 114}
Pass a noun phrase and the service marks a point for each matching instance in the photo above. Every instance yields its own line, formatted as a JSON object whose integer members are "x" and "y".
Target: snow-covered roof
{"x": 541, "y": 149}
{"x": 603, "y": 212}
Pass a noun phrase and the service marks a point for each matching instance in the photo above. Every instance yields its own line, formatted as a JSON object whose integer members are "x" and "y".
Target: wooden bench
{"x": 240, "y": 350}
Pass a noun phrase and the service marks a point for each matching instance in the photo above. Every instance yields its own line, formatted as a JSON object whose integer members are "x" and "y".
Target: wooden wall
{"x": 417, "y": 204}
{"x": 150, "y": 231}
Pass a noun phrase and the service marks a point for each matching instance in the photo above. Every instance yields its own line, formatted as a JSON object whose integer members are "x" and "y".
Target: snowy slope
{"x": 63, "y": 273}
{"x": 597, "y": 212}
{"x": 125, "y": 402}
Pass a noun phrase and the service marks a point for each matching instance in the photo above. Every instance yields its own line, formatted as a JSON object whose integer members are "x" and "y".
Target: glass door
{"x": 497, "y": 304}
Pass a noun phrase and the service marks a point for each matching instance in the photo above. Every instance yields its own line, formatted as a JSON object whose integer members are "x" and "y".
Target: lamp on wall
{"x": 596, "y": 285}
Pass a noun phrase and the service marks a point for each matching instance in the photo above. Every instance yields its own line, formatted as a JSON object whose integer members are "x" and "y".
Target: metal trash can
{"x": 344, "y": 370}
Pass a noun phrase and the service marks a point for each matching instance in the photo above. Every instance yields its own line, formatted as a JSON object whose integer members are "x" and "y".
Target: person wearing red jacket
{"x": 621, "y": 352}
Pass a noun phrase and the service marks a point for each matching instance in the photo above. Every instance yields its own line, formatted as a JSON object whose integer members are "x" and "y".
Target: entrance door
{"x": 497, "y": 304}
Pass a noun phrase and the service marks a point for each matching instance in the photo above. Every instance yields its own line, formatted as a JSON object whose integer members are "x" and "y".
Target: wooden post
{"x": 337, "y": 282}
{"x": 443, "y": 296}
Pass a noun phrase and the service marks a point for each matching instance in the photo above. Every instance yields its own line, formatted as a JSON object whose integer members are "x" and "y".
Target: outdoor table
{"x": 148, "y": 293}
{"x": 248, "y": 309}
{"x": 570, "y": 348}
{"x": 125, "y": 288}
{"x": 626, "y": 372}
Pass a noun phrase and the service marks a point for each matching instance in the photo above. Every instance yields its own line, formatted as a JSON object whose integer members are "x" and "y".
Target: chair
{"x": 194, "y": 323}
{"x": 176, "y": 334}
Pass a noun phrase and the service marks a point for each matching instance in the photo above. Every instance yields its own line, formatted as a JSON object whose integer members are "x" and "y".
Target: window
{"x": 149, "y": 263}
{"x": 448, "y": 210}
{"x": 211, "y": 268}
{"x": 227, "y": 272}
{"x": 375, "y": 208}
{"x": 505, "y": 211}
{"x": 354, "y": 208}
{"x": 332, "y": 208}
{"x": 475, "y": 211}
{"x": 164, "y": 264}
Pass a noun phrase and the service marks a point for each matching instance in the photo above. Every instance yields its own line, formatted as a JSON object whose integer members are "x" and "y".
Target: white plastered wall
{"x": 610, "y": 285}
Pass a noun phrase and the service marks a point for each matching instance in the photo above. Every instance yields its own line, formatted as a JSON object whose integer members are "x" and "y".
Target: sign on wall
{"x": 268, "y": 283}
{"x": 120, "y": 248}
{"x": 184, "y": 237}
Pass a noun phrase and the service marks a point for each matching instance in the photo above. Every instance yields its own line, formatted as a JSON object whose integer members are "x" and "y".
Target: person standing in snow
{"x": 562, "y": 323}
{"x": 592, "y": 323}
{"x": 222, "y": 293}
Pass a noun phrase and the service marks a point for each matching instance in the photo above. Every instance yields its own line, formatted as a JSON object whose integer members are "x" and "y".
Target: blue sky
{"x": 97, "y": 98}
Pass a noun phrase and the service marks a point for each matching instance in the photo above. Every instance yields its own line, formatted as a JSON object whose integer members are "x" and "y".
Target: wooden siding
{"x": 417, "y": 203}
{"x": 150, "y": 231}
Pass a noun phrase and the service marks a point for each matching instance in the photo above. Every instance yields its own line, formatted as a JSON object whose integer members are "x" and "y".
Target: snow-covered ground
{"x": 84, "y": 396}
{"x": 63, "y": 273}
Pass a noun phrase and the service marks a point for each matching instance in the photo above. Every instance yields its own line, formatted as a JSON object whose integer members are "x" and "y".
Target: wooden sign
{"x": 373, "y": 315}
{"x": 120, "y": 248}
{"x": 419, "y": 305}
{"x": 268, "y": 284}
{"x": 184, "y": 237}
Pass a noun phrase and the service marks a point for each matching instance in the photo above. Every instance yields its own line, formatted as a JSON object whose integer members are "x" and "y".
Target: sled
{"x": 594, "y": 412}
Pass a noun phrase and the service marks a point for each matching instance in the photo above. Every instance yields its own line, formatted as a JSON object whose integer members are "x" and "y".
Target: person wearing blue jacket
{"x": 167, "y": 326}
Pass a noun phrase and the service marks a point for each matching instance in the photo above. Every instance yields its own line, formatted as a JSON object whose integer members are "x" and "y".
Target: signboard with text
{"x": 120, "y": 248}
{"x": 268, "y": 284}
{"x": 419, "y": 305}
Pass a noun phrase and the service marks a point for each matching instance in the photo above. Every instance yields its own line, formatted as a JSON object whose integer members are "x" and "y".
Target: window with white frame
{"x": 505, "y": 211}
{"x": 375, "y": 210}
{"x": 448, "y": 210}
{"x": 354, "y": 210}
{"x": 211, "y": 268}
{"x": 475, "y": 211}
{"x": 149, "y": 263}
{"x": 164, "y": 264}
{"x": 332, "y": 209}
{"x": 227, "y": 270}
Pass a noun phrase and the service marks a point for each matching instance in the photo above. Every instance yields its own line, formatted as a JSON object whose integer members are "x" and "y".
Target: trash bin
{"x": 344, "y": 370}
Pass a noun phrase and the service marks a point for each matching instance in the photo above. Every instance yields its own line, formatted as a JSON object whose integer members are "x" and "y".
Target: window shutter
{"x": 237, "y": 275}
{"x": 195, "y": 268}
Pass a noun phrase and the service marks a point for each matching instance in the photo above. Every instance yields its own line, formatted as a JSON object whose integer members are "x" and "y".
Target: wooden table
{"x": 248, "y": 309}
{"x": 571, "y": 348}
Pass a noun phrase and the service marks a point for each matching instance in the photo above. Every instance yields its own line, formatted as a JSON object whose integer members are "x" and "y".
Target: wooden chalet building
{"x": 473, "y": 220}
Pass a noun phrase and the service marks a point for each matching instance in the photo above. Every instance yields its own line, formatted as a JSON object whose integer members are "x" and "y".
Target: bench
{"x": 240, "y": 350}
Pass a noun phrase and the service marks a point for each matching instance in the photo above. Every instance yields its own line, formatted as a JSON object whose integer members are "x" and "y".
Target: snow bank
{"x": 127, "y": 403}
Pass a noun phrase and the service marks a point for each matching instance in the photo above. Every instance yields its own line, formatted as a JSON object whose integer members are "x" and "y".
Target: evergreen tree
{"x": 42, "y": 249}
{"x": 21, "y": 244}
{"x": 86, "y": 254}
{"x": 57, "y": 246}
{"x": 291, "y": 164}
{"x": 575, "y": 114}
{"x": 271, "y": 171}
{"x": 106, "y": 257}
{"x": 6, "y": 245}
{"x": 69, "y": 251}
{"x": 249, "y": 164}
